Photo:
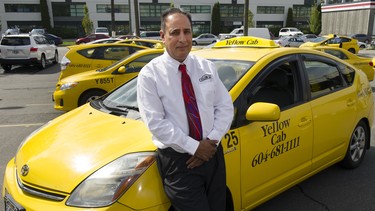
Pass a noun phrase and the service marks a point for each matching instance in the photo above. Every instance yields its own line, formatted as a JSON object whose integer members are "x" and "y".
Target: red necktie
{"x": 192, "y": 112}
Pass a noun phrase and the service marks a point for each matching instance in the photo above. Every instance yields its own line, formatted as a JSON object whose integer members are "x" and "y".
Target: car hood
{"x": 71, "y": 147}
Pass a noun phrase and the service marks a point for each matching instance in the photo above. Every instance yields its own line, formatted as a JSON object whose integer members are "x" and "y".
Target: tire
{"x": 357, "y": 147}
{"x": 90, "y": 95}
{"x": 56, "y": 58}
{"x": 6, "y": 67}
{"x": 351, "y": 50}
{"x": 195, "y": 43}
{"x": 43, "y": 62}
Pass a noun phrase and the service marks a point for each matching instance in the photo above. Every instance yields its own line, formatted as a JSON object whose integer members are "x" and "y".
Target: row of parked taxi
{"x": 297, "y": 112}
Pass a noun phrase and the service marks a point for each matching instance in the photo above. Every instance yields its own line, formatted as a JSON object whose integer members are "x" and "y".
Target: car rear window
{"x": 15, "y": 41}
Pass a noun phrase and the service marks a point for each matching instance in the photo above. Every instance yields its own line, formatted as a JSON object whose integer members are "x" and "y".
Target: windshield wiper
{"x": 128, "y": 107}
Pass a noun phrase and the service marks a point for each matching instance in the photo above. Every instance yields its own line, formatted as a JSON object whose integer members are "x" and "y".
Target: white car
{"x": 25, "y": 49}
{"x": 105, "y": 40}
{"x": 102, "y": 30}
{"x": 204, "y": 39}
{"x": 290, "y": 41}
{"x": 362, "y": 45}
{"x": 290, "y": 31}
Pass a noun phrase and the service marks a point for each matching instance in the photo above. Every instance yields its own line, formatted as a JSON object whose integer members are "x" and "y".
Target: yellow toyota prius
{"x": 100, "y": 156}
{"x": 80, "y": 88}
{"x": 333, "y": 40}
{"x": 87, "y": 57}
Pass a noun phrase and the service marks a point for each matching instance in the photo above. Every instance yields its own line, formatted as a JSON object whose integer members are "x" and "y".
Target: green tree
{"x": 44, "y": 12}
{"x": 315, "y": 22}
{"x": 289, "y": 18}
{"x": 215, "y": 19}
{"x": 250, "y": 19}
{"x": 86, "y": 22}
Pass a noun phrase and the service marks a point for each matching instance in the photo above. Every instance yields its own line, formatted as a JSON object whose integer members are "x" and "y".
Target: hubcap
{"x": 357, "y": 144}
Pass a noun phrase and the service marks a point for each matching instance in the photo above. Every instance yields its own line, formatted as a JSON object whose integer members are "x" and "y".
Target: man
{"x": 190, "y": 156}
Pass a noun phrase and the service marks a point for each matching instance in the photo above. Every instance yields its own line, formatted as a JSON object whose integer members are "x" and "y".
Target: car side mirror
{"x": 263, "y": 112}
{"x": 121, "y": 70}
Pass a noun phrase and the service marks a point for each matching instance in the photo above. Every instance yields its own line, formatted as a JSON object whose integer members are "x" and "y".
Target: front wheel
{"x": 89, "y": 96}
{"x": 43, "y": 62}
{"x": 357, "y": 146}
{"x": 6, "y": 67}
{"x": 56, "y": 58}
{"x": 195, "y": 43}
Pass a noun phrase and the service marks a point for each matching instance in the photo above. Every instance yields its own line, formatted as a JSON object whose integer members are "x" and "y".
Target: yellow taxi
{"x": 333, "y": 40}
{"x": 80, "y": 88}
{"x": 143, "y": 42}
{"x": 100, "y": 156}
{"x": 80, "y": 58}
{"x": 363, "y": 63}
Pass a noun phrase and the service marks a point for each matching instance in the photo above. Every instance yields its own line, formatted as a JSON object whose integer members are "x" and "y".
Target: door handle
{"x": 304, "y": 121}
{"x": 350, "y": 102}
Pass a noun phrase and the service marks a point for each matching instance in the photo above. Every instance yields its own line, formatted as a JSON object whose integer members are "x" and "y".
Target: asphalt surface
{"x": 332, "y": 189}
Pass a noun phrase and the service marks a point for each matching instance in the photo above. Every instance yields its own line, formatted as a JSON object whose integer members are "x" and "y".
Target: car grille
{"x": 40, "y": 193}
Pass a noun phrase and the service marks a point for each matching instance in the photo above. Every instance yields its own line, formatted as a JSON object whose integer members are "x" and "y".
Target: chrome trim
{"x": 43, "y": 194}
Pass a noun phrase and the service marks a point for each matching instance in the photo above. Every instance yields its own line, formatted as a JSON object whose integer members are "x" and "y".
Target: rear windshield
{"x": 15, "y": 41}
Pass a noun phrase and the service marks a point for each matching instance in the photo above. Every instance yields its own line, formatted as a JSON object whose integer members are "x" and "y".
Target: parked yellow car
{"x": 81, "y": 58}
{"x": 363, "y": 63}
{"x": 333, "y": 40}
{"x": 297, "y": 112}
{"x": 80, "y": 88}
{"x": 143, "y": 42}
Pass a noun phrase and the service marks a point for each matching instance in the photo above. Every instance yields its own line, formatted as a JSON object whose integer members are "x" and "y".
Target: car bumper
{"x": 31, "y": 203}
{"x": 19, "y": 61}
{"x": 64, "y": 101}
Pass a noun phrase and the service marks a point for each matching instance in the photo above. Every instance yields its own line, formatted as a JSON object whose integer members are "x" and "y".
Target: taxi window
{"x": 323, "y": 78}
{"x": 107, "y": 52}
{"x": 277, "y": 87}
{"x": 336, "y": 53}
{"x": 231, "y": 71}
{"x": 348, "y": 73}
{"x": 137, "y": 64}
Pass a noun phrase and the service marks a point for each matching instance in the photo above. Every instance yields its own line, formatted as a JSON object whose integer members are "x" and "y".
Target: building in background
{"x": 66, "y": 15}
{"x": 346, "y": 17}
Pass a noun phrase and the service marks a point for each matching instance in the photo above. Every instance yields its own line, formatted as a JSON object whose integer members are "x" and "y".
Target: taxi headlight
{"x": 68, "y": 85}
{"x": 110, "y": 182}
{"x": 64, "y": 63}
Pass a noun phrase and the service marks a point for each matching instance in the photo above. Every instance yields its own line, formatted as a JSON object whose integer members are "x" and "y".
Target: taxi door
{"x": 333, "y": 102}
{"x": 274, "y": 154}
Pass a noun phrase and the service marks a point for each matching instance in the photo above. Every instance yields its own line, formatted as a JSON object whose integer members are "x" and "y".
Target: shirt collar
{"x": 174, "y": 63}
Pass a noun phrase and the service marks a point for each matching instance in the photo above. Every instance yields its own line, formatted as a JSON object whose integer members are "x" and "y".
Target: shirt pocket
{"x": 207, "y": 90}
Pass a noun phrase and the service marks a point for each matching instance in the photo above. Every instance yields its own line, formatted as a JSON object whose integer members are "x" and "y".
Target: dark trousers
{"x": 199, "y": 189}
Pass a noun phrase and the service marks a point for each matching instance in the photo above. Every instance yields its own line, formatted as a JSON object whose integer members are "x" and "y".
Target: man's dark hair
{"x": 171, "y": 11}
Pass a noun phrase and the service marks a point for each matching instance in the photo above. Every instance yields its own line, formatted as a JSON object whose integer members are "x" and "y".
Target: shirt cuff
{"x": 191, "y": 145}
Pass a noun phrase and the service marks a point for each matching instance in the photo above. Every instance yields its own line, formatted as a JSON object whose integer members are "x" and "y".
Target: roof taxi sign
{"x": 246, "y": 41}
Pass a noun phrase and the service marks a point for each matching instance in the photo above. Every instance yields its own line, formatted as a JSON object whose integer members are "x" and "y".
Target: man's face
{"x": 177, "y": 36}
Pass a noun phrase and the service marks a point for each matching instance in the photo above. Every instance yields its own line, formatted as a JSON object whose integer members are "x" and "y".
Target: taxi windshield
{"x": 124, "y": 99}
{"x": 319, "y": 39}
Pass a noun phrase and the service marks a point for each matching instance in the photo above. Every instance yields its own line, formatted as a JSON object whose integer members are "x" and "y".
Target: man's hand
{"x": 194, "y": 162}
{"x": 206, "y": 149}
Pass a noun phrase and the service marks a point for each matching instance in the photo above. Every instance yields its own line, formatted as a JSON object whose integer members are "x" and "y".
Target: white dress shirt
{"x": 162, "y": 107}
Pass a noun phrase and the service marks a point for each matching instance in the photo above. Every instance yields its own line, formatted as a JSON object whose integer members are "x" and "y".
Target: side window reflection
{"x": 323, "y": 78}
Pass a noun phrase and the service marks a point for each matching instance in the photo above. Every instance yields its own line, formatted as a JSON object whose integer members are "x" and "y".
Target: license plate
{"x": 15, "y": 51}
{"x": 11, "y": 205}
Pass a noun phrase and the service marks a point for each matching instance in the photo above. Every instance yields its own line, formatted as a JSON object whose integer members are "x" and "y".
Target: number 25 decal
{"x": 232, "y": 139}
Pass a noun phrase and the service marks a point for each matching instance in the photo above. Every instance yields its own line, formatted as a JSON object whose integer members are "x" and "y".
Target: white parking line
{"x": 45, "y": 104}
{"x": 22, "y": 125}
